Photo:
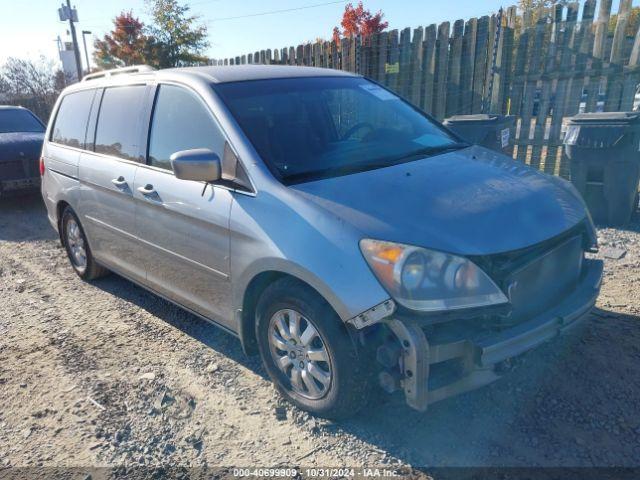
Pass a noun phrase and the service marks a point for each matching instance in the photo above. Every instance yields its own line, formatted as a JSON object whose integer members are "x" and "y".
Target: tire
{"x": 75, "y": 243}
{"x": 331, "y": 349}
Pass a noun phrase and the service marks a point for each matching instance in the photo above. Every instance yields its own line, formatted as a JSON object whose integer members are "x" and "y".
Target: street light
{"x": 86, "y": 52}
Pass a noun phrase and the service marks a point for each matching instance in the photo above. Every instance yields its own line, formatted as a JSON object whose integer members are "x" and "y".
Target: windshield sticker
{"x": 429, "y": 139}
{"x": 378, "y": 92}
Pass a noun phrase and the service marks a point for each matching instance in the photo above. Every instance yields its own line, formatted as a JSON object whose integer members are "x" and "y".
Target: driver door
{"x": 183, "y": 226}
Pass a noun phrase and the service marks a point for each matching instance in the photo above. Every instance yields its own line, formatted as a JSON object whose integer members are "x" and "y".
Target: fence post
{"x": 480, "y": 66}
{"x": 585, "y": 34}
{"x": 306, "y": 52}
{"x": 620, "y": 35}
{"x": 442, "y": 64}
{"x": 356, "y": 61}
{"x": 429, "y": 67}
{"x": 614, "y": 86}
{"x": 504, "y": 63}
{"x": 493, "y": 72}
{"x": 455, "y": 66}
{"x": 374, "y": 57}
{"x": 574, "y": 40}
{"x": 393, "y": 61}
{"x": 467, "y": 65}
{"x": 416, "y": 66}
{"x": 602, "y": 27}
{"x": 404, "y": 62}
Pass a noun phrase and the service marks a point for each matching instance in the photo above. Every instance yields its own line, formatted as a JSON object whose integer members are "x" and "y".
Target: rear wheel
{"x": 77, "y": 247}
{"x": 308, "y": 352}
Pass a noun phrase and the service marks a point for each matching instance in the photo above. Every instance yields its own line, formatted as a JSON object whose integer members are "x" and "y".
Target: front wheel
{"x": 308, "y": 352}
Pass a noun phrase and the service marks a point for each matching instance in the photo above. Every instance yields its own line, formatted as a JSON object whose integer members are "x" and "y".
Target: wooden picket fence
{"x": 541, "y": 71}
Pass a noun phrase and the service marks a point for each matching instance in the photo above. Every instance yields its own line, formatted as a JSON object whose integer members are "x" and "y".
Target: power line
{"x": 259, "y": 14}
{"x": 271, "y": 12}
{"x": 203, "y": 2}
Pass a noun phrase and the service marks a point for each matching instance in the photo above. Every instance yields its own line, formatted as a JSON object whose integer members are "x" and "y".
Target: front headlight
{"x": 426, "y": 280}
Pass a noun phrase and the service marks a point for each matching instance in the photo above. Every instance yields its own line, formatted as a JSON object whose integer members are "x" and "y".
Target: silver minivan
{"x": 340, "y": 232}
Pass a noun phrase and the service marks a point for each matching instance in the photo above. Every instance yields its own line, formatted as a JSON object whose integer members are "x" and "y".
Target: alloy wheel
{"x": 300, "y": 353}
{"x": 75, "y": 240}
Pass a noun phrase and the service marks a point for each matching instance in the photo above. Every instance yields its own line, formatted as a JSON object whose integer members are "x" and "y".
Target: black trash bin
{"x": 603, "y": 149}
{"x": 491, "y": 131}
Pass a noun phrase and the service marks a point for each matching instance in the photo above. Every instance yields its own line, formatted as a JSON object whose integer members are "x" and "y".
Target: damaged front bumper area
{"x": 436, "y": 363}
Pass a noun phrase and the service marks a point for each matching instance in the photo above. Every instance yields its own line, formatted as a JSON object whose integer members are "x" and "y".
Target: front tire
{"x": 308, "y": 352}
{"x": 77, "y": 247}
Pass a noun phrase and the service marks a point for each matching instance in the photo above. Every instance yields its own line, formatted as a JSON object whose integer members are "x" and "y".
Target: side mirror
{"x": 200, "y": 164}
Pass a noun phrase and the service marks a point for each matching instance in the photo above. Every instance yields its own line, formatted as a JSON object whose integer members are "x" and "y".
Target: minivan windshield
{"x": 319, "y": 127}
{"x": 18, "y": 120}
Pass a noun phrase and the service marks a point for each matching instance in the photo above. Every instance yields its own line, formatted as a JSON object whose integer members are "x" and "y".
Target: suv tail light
{"x": 41, "y": 166}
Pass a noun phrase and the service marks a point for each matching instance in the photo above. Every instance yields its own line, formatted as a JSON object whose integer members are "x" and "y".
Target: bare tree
{"x": 32, "y": 84}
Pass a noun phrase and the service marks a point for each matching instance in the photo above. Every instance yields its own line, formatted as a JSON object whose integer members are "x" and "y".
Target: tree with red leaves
{"x": 173, "y": 39}
{"x": 126, "y": 44}
{"x": 359, "y": 21}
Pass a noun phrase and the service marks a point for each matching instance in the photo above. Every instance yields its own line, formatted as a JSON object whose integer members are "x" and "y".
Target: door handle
{"x": 147, "y": 189}
{"x": 119, "y": 182}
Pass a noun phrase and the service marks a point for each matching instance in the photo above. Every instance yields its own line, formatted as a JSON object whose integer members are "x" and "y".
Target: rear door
{"x": 184, "y": 227}
{"x": 107, "y": 170}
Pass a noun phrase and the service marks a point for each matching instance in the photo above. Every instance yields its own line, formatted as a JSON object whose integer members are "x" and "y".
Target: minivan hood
{"x": 469, "y": 202}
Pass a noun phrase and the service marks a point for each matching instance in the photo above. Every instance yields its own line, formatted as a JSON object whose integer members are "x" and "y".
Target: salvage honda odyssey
{"x": 340, "y": 232}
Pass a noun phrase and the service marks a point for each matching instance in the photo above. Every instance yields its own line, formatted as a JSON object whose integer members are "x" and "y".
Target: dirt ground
{"x": 106, "y": 374}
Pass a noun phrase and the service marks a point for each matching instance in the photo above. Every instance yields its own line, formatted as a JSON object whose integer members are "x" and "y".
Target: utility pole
{"x": 86, "y": 52}
{"x": 67, "y": 14}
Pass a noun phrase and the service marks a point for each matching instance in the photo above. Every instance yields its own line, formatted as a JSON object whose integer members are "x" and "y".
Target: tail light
{"x": 41, "y": 166}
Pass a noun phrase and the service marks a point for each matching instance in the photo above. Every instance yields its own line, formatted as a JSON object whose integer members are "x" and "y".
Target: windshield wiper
{"x": 430, "y": 151}
{"x": 301, "y": 177}
{"x": 319, "y": 174}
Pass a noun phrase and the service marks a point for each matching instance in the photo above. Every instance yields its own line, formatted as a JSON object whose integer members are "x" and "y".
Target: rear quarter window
{"x": 70, "y": 125}
{"x": 118, "y": 131}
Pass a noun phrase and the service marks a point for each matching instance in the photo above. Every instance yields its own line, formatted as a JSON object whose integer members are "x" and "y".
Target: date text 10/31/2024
{"x": 317, "y": 472}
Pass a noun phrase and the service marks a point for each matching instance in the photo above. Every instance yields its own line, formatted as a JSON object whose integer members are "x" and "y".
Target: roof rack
{"x": 118, "y": 71}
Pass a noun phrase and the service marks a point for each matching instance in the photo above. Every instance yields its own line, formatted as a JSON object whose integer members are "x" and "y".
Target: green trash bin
{"x": 604, "y": 154}
{"x": 491, "y": 131}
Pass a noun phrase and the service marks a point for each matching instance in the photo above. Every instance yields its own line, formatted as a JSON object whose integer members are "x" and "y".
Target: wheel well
{"x": 59, "y": 209}
{"x": 252, "y": 294}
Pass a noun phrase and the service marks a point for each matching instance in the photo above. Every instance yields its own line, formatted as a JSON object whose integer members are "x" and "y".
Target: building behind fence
{"x": 542, "y": 71}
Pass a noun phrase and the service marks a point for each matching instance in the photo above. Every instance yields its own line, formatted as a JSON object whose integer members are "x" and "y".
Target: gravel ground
{"x": 106, "y": 374}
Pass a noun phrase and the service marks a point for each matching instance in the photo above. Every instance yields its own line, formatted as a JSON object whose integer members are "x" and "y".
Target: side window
{"x": 119, "y": 121}
{"x": 71, "y": 120}
{"x": 181, "y": 121}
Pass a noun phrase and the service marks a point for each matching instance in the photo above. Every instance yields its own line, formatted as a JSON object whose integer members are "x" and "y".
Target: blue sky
{"x": 32, "y": 25}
